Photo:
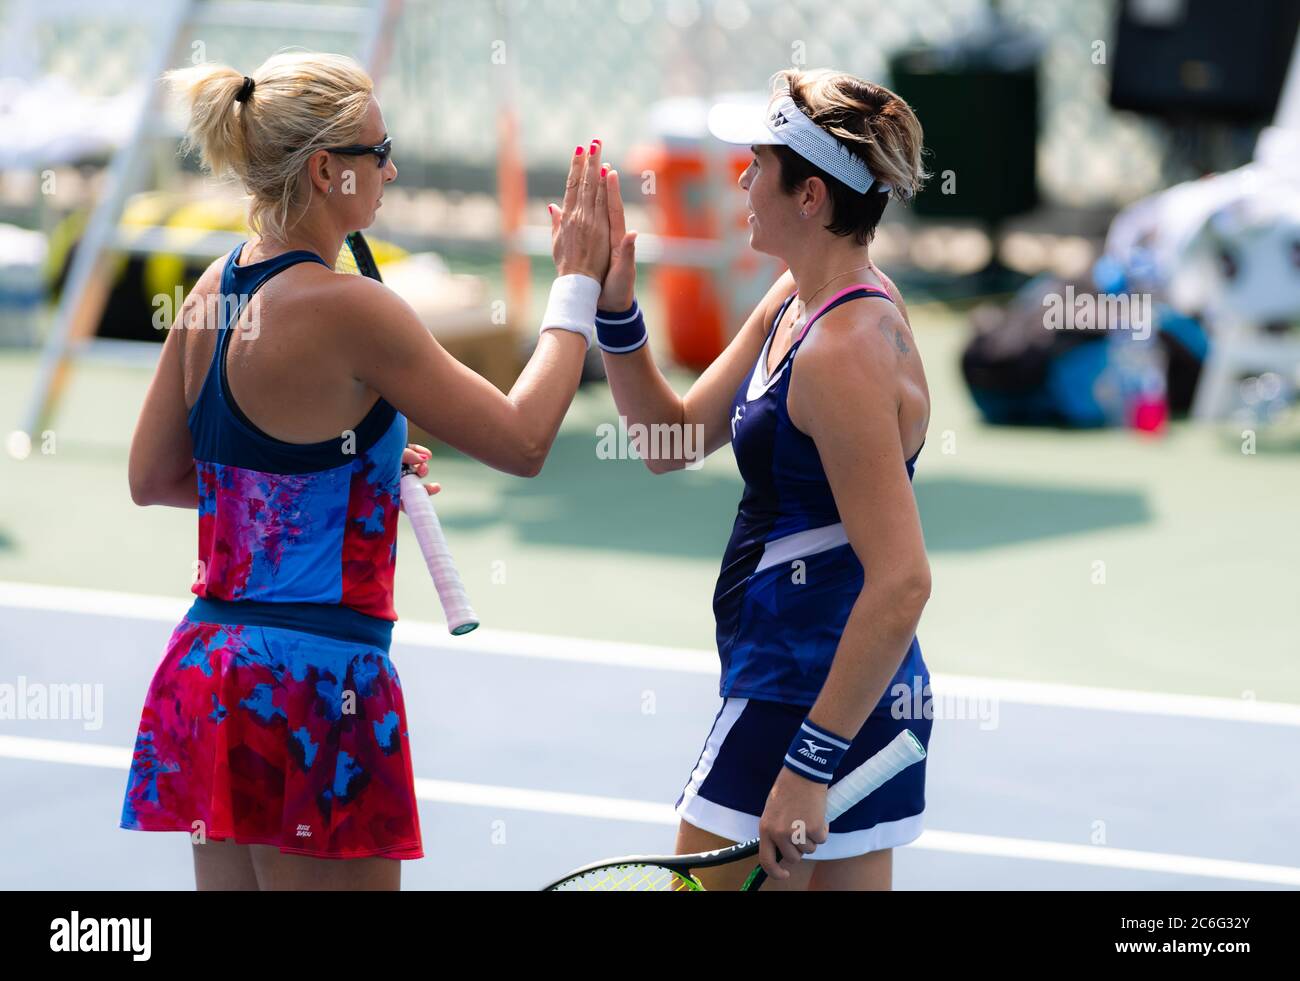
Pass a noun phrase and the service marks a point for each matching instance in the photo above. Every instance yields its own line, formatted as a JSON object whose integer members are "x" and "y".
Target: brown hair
{"x": 874, "y": 124}
{"x": 301, "y": 102}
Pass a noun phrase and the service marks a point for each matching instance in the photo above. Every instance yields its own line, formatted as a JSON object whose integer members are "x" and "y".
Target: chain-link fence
{"x": 581, "y": 67}
{"x": 576, "y": 68}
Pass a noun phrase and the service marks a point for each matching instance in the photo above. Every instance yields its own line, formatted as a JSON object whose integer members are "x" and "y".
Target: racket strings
{"x": 630, "y": 878}
{"x": 346, "y": 261}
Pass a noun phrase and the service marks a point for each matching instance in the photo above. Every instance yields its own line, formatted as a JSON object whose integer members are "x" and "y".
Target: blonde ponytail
{"x": 300, "y": 102}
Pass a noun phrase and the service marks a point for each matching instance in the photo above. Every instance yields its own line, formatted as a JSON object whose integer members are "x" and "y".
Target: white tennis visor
{"x": 748, "y": 123}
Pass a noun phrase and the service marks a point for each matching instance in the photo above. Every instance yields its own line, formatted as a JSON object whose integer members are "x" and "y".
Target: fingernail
{"x": 578, "y": 152}
{"x": 595, "y": 142}
{"x": 595, "y": 145}
{"x": 604, "y": 170}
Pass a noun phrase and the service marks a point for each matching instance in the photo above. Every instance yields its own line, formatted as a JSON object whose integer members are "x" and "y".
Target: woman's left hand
{"x": 415, "y": 456}
{"x": 793, "y": 823}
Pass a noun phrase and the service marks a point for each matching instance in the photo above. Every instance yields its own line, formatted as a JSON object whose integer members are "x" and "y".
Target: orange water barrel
{"x": 701, "y": 313}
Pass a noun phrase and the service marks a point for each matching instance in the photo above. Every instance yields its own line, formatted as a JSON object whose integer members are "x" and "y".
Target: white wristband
{"x": 572, "y": 305}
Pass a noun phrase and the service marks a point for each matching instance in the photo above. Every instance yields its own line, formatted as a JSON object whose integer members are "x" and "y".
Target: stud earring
{"x": 330, "y": 190}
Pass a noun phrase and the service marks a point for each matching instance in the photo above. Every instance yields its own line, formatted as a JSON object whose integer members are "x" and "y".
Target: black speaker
{"x": 1203, "y": 59}
{"x": 980, "y": 118}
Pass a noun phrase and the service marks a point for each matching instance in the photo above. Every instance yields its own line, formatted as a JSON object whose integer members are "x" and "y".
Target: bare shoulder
{"x": 356, "y": 310}
{"x": 860, "y": 359}
{"x": 869, "y": 335}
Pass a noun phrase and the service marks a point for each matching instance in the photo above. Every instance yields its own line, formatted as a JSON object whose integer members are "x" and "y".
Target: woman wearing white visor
{"x": 823, "y": 397}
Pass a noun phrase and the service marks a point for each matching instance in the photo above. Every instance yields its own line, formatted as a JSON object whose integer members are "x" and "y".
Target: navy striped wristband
{"x": 621, "y": 333}
{"x": 815, "y": 753}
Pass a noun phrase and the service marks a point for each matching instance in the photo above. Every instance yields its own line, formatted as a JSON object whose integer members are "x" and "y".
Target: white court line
{"x": 649, "y": 812}
{"x": 1106, "y": 857}
{"x": 65, "y": 599}
{"x": 507, "y": 643}
{"x": 545, "y": 801}
{"x": 64, "y": 751}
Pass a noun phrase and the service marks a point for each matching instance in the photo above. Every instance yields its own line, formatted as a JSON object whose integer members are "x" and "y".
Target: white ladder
{"x": 86, "y": 287}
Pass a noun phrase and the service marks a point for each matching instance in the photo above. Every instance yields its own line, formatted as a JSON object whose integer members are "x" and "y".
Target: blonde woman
{"x": 823, "y": 397}
{"x": 274, "y": 731}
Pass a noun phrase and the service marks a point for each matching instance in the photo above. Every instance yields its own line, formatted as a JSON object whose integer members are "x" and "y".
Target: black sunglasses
{"x": 382, "y": 152}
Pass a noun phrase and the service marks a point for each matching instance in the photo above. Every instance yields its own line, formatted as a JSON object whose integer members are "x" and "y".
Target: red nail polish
{"x": 578, "y": 152}
{"x": 595, "y": 145}
{"x": 604, "y": 169}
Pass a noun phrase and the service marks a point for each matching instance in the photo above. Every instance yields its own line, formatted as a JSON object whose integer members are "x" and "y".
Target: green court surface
{"x": 1197, "y": 541}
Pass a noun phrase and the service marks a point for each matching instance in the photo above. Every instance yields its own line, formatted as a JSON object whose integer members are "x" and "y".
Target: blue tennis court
{"x": 536, "y": 753}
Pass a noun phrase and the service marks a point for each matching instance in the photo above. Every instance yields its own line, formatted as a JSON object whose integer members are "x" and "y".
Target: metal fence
{"x": 574, "y": 68}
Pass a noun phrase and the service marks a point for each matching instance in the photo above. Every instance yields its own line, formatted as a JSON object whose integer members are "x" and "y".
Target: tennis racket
{"x": 675, "y": 873}
{"x": 355, "y": 259}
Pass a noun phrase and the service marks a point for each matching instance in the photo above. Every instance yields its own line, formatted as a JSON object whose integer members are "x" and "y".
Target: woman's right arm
{"x": 513, "y": 433}
{"x": 397, "y": 356}
{"x": 641, "y": 392}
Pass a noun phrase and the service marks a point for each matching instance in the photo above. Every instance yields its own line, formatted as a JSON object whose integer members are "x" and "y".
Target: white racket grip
{"x": 902, "y": 751}
{"x": 433, "y": 546}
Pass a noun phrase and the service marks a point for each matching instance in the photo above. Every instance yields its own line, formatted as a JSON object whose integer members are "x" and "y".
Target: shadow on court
{"x": 582, "y": 502}
{"x": 617, "y": 505}
{"x": 960, "y": 514}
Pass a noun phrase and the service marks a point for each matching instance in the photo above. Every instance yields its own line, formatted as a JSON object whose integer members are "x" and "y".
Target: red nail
{"x": 604, "y": 169}
{"x": 578, "y": 152}
{"x": 595, "y": 145}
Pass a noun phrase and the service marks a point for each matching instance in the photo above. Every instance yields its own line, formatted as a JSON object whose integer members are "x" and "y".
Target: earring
{"x": 803, "y": 214}
{"x": 330, "y": 190}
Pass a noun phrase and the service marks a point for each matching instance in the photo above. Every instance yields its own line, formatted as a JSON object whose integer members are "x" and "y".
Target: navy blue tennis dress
{"x": 788, "y": 582}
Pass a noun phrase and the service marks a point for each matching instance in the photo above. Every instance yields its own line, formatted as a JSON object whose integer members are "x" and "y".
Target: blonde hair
{"x": 301, "y": 102}
{"x": 873, "y": 122}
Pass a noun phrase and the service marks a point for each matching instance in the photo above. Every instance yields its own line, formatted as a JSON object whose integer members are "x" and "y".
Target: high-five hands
{"x": 620, "y": 282}
{"x": 580, "y": 228}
